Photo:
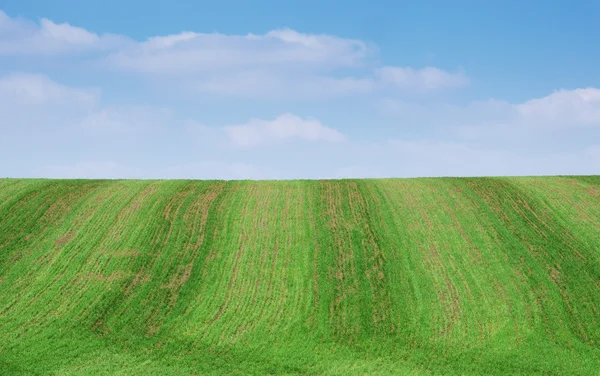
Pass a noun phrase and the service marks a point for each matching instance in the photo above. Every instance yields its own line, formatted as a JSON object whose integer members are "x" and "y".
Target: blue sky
{"x": 302, "y": 89}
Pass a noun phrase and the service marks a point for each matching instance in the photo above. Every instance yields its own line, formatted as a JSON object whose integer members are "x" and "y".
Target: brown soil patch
{"x": 140, "y": 277}
{"x": 152, "y": 329}
{"x": 179, "y": 279}
{"x": 134, "y": 207}
{"x": 503, "y": 294}
{"x": 16, "y": 257}
{"x": 232, "y": 280}
{"x": 128, "y": 253}
{"x": 98, "y": 324}
{"x": 65, "y": 238}
{"x": 99, "y": 277}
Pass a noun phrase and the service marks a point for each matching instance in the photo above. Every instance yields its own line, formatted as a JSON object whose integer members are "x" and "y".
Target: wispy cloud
{"x": 74, "y": 131}
{"x": 88, "y": 170}
{"x": 284, "y": 128}
{"x": 190, "y": 52}
{"x": 114, "y": 170}
{"x": 125, "y": 119}
{"x": 37, "y": 89}
{"x": 563, "y": 108}
{"x": 214, "y": 170}
{"x": 424, "y": 79}
{"x": 560, "y": 109}
{"x": 23, "y": 37}
{"x": 277, "y": 64}
{"x": 435, "y": 157}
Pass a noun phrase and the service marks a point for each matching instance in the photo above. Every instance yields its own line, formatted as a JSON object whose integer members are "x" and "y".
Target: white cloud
{"x": 481, "y": 140}
{"x": 563, "y": 108}
{"x": 243, "y": 83}
{"x": 87, "y": 170}
{"x": 425, "y": 79}
{"x": 284, "y": 128}
{"x": 30, "y": 103}
{"x": 214, "y": 170}
{"x": 550, "y": 135}
{"x": 35, "y": 89}
{"x": 431, "y": 157}
{"x": 125, "y": 119}
{"x": 279, "y": 63}
{"x": 328, "y": 86}
{"x": 22, "y": 37}
{"x": 553, "y": 134}
{"x": 396, "y": 158}
{"x": 276, "y": 85}
{"x": 190, "y": 52}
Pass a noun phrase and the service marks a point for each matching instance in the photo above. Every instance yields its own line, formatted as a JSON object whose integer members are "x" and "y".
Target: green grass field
{"x": 482, "y": 276}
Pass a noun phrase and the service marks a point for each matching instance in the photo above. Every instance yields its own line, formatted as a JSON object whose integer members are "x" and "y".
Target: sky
{"x": 298, "y": 89}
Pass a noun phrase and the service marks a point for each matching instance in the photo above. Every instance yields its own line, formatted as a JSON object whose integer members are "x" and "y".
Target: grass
{"x": 465, "y": 276}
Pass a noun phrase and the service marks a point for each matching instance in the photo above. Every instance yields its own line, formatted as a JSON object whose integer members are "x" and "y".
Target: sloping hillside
{"x": 392, "y": 276}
